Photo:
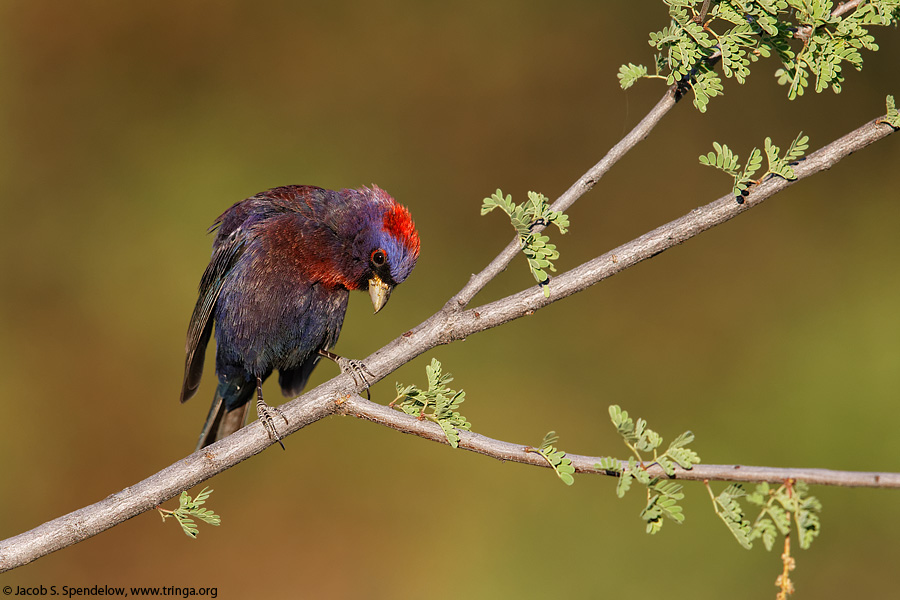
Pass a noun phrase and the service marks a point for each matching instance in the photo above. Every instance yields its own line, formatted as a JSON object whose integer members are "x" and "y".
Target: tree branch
{"x": 587, "y": 181}
{"x": 450, "y": 324}
{"x": 568, "y": 198}
{"x": 506, "y": 451}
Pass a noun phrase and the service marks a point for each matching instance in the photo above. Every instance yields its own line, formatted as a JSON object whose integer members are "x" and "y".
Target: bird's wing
{"x": 226, "y": 254}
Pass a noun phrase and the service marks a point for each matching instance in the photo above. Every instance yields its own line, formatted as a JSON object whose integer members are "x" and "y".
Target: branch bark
{"x": 506, "y": 451}
{"x": 570, "y": 196}
{"x": 452, "y": 323}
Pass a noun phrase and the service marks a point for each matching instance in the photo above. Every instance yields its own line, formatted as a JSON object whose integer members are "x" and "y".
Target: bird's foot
{"x": 356, "y": 368}
{"x": 265, "y": 413}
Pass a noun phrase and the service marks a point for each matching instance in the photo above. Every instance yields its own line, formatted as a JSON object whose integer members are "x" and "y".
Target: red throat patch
{"x": 398, "y": 222}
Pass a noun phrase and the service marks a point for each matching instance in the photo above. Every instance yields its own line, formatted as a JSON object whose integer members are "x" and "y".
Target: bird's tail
{"x": 228, "y": 412}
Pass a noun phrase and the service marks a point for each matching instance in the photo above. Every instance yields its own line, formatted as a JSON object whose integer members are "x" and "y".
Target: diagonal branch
{"x": 588, "y": 180}
{"x": 568, "y": 198}
{"x": 449, "y": 324}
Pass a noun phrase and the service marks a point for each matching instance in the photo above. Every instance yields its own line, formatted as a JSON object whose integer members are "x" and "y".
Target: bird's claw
{"x": 265, "y": 413}
{"x": 356, "y": 368}
{"x": 358, "y": 371}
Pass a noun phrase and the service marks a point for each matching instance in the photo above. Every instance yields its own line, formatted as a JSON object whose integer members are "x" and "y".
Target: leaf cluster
{"x": 781, "y": 505}
{"x": 556, "y": 458}
{"x": 781, "y": 509}
{"x": 744, "y": 176}
{"x": 662, "y": 495}
{"x": 191, "y": 507}
{"x": 537, "y": 248}
{"x": 809, "y": 40}
{"x": 438, "y": 403}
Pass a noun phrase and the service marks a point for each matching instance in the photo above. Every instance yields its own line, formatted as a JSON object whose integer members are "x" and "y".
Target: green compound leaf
{"x": 620, "y": 419}
{"x": 760, "y": 495}
{"x": 624, "y": 484}
{"x": 797, "y": 148}
{"x": 663, "y": 495}
{"x": 191, "y": 507}
{"x": 706, "y": 85}
{"x": 892, "y": 116}
{"x": 812, "y": 45}
{"x": 745, "y": 179}
{"x": 662, "y": 501}
{"x": 556, "y": 458}
{"x": 772, "y": 519}
{"x": 644, "y": 439}
{"x": 783, "y": 508}
{"x": 630, "y": 73}
{"x": 772, "y": 154}
{"x": 729, "y": 510}
{"x": 682, "y": 440}
{"x": 497, "y": 200}
{"x": 806, "y": 514}
{"x": 640, "y": 473}
{"x": 609, "y": 464}
{"x": 652, "y": 514}
{"x": 780, "y": 518}
{"x": 685, "y": 457}
{"x": 438, "y": 403}
{"x": 781, "y": 166}
{"x": 728, "y": 162}
{"x": 538, "y": 250}
{"x": 678, "y": 452}
{"x": 723, "y": 159}
{"x": 735, "y": 55}
{"x": 766, "y": 529}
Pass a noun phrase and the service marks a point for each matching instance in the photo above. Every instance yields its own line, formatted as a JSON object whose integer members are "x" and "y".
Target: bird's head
{"x": 389, "y": 245}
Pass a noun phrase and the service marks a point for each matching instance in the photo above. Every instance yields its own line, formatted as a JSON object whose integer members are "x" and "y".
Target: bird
{"x": 283, "y": 265}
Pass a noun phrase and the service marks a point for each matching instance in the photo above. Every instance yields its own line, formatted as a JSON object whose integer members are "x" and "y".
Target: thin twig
{"x": 568, "y": 198}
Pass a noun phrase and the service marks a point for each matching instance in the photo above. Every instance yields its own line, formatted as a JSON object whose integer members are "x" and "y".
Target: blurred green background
{"x": 127, "y": 127}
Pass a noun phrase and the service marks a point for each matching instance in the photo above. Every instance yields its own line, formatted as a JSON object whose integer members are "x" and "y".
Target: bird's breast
{"x": 266, "y": 319}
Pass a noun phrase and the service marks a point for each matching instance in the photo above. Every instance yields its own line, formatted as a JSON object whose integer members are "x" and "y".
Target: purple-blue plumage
{"x": 283, "y": 264}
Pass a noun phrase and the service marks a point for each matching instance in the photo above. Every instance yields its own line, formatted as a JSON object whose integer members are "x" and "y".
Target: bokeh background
{"x": 127, "y": 127}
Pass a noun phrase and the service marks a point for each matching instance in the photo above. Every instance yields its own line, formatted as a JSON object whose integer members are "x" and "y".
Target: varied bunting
{"x": 283, "y": 264}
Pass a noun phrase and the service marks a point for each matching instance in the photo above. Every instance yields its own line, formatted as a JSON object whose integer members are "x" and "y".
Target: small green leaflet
{"x": 438, "y": 403}
{"x": 538, "y": 250}
{"x": 662, "y": 501}
{"x": 190, "y": 507}
{"x": 892, "y": 116}
{"x": 556, "y": 458}
{"x": 729, "y": 510}
{"x": 630, "y": 73}
{"x": 725, "y": 160}
{"x": 662, "y": 495}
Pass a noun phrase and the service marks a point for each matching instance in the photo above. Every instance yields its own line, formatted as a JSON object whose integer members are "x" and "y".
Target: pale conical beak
{"x": 379, "y": 291}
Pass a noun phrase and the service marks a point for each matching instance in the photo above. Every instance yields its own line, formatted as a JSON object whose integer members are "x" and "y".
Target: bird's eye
{"x": 378, "y": 257}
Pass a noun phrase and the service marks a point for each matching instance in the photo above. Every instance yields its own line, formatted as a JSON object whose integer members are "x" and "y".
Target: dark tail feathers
{"x": 228, "y": 412}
